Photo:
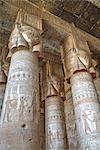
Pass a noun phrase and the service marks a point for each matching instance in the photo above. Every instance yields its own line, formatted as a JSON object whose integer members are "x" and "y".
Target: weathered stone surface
{"x": 97, "y": 85}
{"x": 70, "y": 119}
{"x": 71, "y": 124}
{"x": 87, "y": 111}
{"x": 55, "y": 129}
{"x": 78, "y": 67}
{"x": 9, "y": 9}
{"x": 55, "y": 124}
{"x": 20, "y": 114}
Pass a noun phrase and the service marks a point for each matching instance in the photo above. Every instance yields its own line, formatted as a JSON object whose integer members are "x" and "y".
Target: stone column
{"x": 87, "y": 109}
{"x": 70, "y": 119}
{"x": 20, "y": 115}
{"x": 97, "y": 85}
{"x": 2, "y": 87}
{"x": 54, "y": 117}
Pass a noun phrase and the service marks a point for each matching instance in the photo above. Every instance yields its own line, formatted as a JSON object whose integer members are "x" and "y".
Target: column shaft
{"x": 70, "y": 124}
{"x": 78, "y": 68}
{"x": 97, "y": 85}
{"x": 87, "y": 111}
{"x": 70, "y": 119}
{"x": 55, "y": 124}
{"x": 19, "y": 118}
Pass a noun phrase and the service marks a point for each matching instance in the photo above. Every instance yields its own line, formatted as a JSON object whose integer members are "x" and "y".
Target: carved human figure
{"x": 12, "y": 113}
{"x": 21, "y": 103}
{"x": 79, "y": 72}
{"x": 89, "y": 121}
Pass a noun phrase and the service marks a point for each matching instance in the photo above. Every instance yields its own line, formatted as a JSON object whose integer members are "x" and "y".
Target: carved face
{"x": 30, "y": 35}
{"x": 24, "y": 36}
{"x": 17, "y": 39}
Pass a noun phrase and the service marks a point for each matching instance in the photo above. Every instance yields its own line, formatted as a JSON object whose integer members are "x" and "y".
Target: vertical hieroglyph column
{"x": 20, "y": 114}
{"x": 54, "y": 116}
{"x": 2, "y": 87}
{"x": 87, "y": 109}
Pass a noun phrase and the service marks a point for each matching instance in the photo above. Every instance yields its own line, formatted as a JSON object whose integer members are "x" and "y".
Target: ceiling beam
{"x": 54, "y": 21}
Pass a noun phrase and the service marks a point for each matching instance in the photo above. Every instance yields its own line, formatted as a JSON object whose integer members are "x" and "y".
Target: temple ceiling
{"x": 84, "y": 14}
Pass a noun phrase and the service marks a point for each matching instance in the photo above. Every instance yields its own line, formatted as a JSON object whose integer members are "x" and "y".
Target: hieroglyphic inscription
{"x": 87, "y": 110}
{"x": 20, "y": 109}
{"x": 55, "y": 124}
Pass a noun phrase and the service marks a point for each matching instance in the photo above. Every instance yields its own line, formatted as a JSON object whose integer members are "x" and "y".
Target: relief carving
{"x": 26, "y": 37}
{"x": 91, "y": 146}
{"x": 54, "y": 136}
{"x": 77, "y": 60}
{"x": 53, "y": 83}
{"x": 51, "y": 141}
{"x": 75, "y": 55}
{"x": 21, "y": 103}
{"x": 23, "y": 108}
{"x": 78, "y": 66}
{"x": 86, "y": 108}
{"x": 54, "y": 114}
{"x": 89, "y": 121}
{"x": 12, "y": 111}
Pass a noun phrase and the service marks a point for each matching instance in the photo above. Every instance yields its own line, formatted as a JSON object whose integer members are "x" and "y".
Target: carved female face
{"x": 31, "y": 35}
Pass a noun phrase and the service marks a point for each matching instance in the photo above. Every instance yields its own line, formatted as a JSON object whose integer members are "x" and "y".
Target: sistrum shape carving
{"x": 24, "y": 36}
{"x": 76, "y": 56}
